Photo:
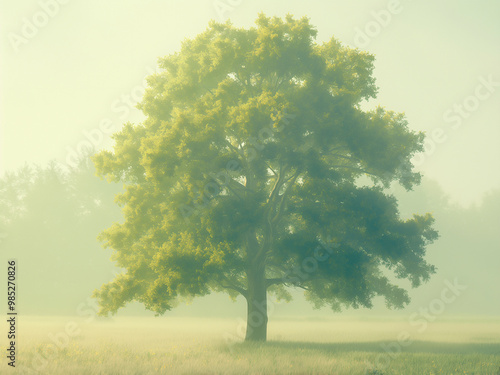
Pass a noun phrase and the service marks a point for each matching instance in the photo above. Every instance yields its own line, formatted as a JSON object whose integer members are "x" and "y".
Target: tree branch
{"x": 268, "y": 236}
{"x": 281, "y": 280}
{"x": 277, "y": 280}
{"x": 346, "y": 157}
{"x": 268, "y": 166}
{"x": 277, "y": 184}
{"x": 283, "y": 197}
{"x": 233, "y": 148}
{"x": 234, "y": 191}
{"x": 242, "y": 291}
{"x": 355, "y": 169}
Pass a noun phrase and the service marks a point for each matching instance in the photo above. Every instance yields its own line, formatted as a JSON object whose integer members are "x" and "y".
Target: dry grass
{"x": 205, "y": 346}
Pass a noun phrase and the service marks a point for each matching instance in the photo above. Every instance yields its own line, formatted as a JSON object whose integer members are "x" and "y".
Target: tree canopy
{"x": 257, "y": 170}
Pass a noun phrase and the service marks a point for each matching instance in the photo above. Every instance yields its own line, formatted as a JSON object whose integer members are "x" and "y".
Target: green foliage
{"x": 251, "y": 157}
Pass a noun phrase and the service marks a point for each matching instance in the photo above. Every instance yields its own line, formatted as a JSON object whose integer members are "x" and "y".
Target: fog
{"x": 73, "y": 81}
{"x": 50, "y": 220}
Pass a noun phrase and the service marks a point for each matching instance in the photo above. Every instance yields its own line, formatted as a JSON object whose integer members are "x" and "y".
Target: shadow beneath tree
{"x": 383, "y": 347}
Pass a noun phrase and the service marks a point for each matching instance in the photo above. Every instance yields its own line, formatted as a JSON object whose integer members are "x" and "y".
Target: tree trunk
{"x": 256, "y": 305}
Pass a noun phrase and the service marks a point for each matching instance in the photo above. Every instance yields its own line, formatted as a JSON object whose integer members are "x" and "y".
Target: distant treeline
{"x": 50, "y": 218}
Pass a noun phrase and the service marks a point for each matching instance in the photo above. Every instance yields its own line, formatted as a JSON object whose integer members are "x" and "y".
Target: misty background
{"x": 73, "y": 77}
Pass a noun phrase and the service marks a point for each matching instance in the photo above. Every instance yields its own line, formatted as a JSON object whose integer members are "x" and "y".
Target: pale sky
{"x": 73, "y": 67}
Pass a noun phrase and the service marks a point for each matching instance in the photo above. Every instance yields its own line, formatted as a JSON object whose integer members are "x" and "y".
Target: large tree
{"x": 257, "y": 170}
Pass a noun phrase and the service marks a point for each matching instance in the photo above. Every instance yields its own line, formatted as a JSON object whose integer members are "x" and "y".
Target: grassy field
{"x": 65, "y": 345}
